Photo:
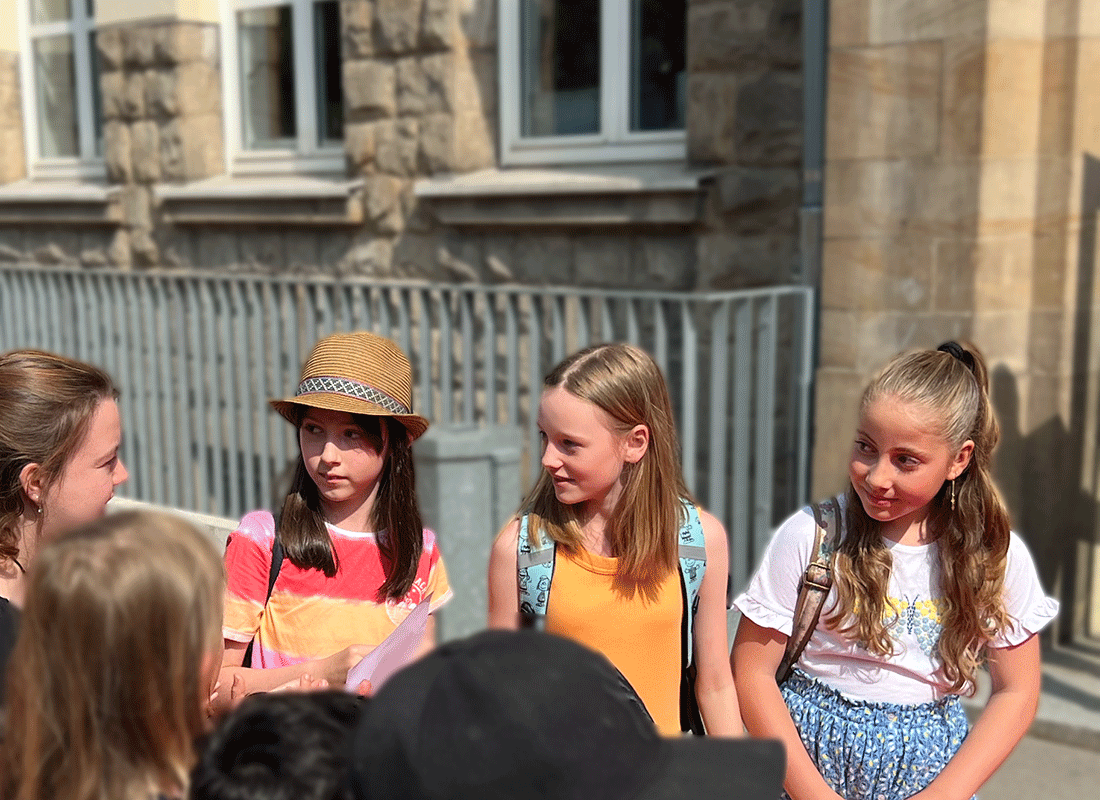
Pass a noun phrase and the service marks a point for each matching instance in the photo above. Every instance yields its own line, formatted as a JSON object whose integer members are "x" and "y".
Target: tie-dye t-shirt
{"x": 310, "y": 615}
{"x": 914, "y": 674}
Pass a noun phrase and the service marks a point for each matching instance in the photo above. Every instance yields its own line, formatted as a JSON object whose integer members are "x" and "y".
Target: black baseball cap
{"x": 525, "y": 715}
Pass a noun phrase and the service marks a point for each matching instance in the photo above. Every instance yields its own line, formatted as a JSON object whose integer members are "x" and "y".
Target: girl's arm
{"x": 333, "y": 669}
{"x": 714, "y": 687}
{"x": 757, "y": 652}
{"x": 503, "y": 585}
{"x": 1016, "y": 679}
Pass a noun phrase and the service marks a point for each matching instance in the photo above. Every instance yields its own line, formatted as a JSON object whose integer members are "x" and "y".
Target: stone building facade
{"x": 422, "y": 189}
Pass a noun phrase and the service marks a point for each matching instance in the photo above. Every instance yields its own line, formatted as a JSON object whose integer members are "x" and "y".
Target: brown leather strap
{"x": 816, "y": 583}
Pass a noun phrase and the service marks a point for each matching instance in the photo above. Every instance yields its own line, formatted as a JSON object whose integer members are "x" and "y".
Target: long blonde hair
{"x": 627, "y": 384}
{"x": 973, "y": 537}
{"x": 106, "y": 688}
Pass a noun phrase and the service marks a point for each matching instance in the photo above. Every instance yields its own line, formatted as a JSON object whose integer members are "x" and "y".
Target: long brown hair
{"x": 973, "y": 537}
{"x": 47, "y": 402}
{"x": 627, "y": 384}
{"x": 301, "y": 525}
{"x": 106, "y": 691}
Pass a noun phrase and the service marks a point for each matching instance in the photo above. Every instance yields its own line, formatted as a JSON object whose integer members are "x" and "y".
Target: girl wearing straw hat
{"x": 355, "y": 556}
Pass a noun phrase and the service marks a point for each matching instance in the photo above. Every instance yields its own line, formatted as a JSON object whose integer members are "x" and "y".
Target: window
{"x": 61, "y": 89}
{"x": 592, "y": 80}
{"x": 283, "y": 79}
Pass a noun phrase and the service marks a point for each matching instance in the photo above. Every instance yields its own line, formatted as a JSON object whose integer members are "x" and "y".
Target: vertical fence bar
{"x": 804, "y": 377}
{"x": 423, "y": 316}
{"x": 534, "y": 376}
{"x": 511, "y": 368}
{"x": 160, "y": 356}
{"x": 716, "y": 436}
{"x": 765, "y": 428}
{"x": 446, "y": 357}
{"x": 689, "y": 395}
{"x": 466, "y": 321}
{"x": 742, "y": 554}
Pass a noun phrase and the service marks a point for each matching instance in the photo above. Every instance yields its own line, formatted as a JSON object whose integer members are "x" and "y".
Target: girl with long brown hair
{"x": 610, "y": 511}
{"x": 929, "y": 583}
{"x": 357, "y": 559}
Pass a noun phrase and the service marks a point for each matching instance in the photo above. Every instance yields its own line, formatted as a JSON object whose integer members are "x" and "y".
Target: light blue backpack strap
{"x": 692, "y": 553}
{"x": 535, "y": 570}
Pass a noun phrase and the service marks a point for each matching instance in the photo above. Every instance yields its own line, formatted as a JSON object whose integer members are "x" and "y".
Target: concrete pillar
{"x": 468, "y": 483}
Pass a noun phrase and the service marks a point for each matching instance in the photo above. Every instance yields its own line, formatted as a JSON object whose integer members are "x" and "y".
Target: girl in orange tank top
{"x": 611, "y": 499}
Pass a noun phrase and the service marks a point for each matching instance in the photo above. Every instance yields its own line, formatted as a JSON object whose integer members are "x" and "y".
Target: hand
{"x": 365, "y": 689}
{"x": 335, "y": 668}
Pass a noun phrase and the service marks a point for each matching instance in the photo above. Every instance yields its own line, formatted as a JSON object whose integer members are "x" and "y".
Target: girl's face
{"x": 581, "y": 450}
{"x": 90, "y": 476}
{"x": 900, "y": 462}
{"x": 344, "y": 462}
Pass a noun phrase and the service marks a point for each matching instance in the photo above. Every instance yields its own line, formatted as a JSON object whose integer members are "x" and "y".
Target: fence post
{"x": 468, "y": 484}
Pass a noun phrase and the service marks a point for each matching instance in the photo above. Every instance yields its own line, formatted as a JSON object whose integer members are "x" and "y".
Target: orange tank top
{"x": 639, "y": 636}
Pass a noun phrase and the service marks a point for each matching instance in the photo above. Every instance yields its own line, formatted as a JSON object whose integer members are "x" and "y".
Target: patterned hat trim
{"x": 350, "y": 388}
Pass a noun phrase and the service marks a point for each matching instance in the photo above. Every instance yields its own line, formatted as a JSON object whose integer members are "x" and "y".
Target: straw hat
{"x": 359, "y": 373}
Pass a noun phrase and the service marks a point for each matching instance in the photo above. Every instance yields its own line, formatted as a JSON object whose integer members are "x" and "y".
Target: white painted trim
{"x": 605, "y": 180}
{"x": 615, "y": 142}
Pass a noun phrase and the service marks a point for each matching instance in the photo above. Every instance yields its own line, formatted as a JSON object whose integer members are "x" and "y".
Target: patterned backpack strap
{"x": 816, "y": 583}
{"x": 535, "y": 570}
{"x": 692, "y": 554}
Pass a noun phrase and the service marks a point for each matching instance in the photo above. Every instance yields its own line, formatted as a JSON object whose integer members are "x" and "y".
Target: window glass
{"x": 329, "y": 71}
{"x": 658, "y": 65}
{"x": 560, "y": 59}
{"x": 267, "y": 78}
{"x": 52, "y": 10}
{"x": 54, "y": 74}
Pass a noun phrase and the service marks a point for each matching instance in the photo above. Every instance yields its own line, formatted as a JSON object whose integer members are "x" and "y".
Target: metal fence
{"x": 198, "y": 355}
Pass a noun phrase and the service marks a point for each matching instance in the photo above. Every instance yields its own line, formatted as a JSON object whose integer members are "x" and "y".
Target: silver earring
{"x": 952, "y": 494}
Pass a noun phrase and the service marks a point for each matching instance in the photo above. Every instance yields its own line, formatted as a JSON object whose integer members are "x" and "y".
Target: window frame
{"x": 87, "y": 164}
{"x": 615, "y": 142}
{"x": 310, "y": 156}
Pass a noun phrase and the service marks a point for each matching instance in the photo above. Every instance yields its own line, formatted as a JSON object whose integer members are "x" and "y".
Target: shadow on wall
{"x": 1054, "y": 497}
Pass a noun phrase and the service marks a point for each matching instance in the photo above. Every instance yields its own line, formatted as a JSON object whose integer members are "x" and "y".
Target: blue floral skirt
{"x": 874, "y": 751}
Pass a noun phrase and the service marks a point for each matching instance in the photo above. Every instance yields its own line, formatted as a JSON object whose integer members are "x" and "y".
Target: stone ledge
{"x": 29, "y": 202}
{"x": 263, "y": 201}
{"x": 650, "y": 195}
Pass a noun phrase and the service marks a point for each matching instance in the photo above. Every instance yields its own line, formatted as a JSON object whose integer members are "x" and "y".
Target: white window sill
{"x": 59, "y": 202}
{"x": 634, "y": 194}
{"x": 269, "y": 200}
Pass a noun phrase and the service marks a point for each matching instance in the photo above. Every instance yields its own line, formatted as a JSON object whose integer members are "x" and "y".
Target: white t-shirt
{"x": 914, "y": 673}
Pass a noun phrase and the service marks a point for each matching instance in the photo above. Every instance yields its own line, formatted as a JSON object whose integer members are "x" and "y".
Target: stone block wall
{"x": 162, "y": 116}
{"x": 744, "y": 118}
{"x": 962, "y": 188}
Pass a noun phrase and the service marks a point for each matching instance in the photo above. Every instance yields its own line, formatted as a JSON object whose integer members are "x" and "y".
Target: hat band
{"x": 350, "y": 388}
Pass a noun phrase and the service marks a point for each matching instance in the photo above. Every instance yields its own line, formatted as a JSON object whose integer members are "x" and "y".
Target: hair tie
{"x": 959, "y": 352}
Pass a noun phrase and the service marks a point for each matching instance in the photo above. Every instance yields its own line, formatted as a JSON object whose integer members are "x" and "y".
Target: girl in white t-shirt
{"x": 929, "y": 583}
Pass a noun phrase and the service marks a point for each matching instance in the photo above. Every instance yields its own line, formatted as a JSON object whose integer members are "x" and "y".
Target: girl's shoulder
{"x": 258, "y": 527}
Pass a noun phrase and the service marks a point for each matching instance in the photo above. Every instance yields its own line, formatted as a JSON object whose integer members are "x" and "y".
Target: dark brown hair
{"x": 46, "y": 405}
{"x": 395, "y": 516}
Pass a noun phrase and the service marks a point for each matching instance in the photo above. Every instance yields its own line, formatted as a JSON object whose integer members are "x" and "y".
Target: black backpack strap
{"x": 816, "y": 583}
{"x": 272, "y": 575}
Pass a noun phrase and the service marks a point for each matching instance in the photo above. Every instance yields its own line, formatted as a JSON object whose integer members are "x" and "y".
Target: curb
{"x": 1051, "y": 730}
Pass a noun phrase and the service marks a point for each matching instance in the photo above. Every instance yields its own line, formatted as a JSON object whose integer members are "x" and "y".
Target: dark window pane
{"x": 658, "y": 65}
{"x": 267, "y": 78}
{"x": 330, "y": 84}
{"x": 560, "y": 75}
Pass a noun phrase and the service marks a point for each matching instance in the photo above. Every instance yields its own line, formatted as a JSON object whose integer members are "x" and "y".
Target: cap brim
{"x": 290, "y": 408}
{"x": 706, "y": 768}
